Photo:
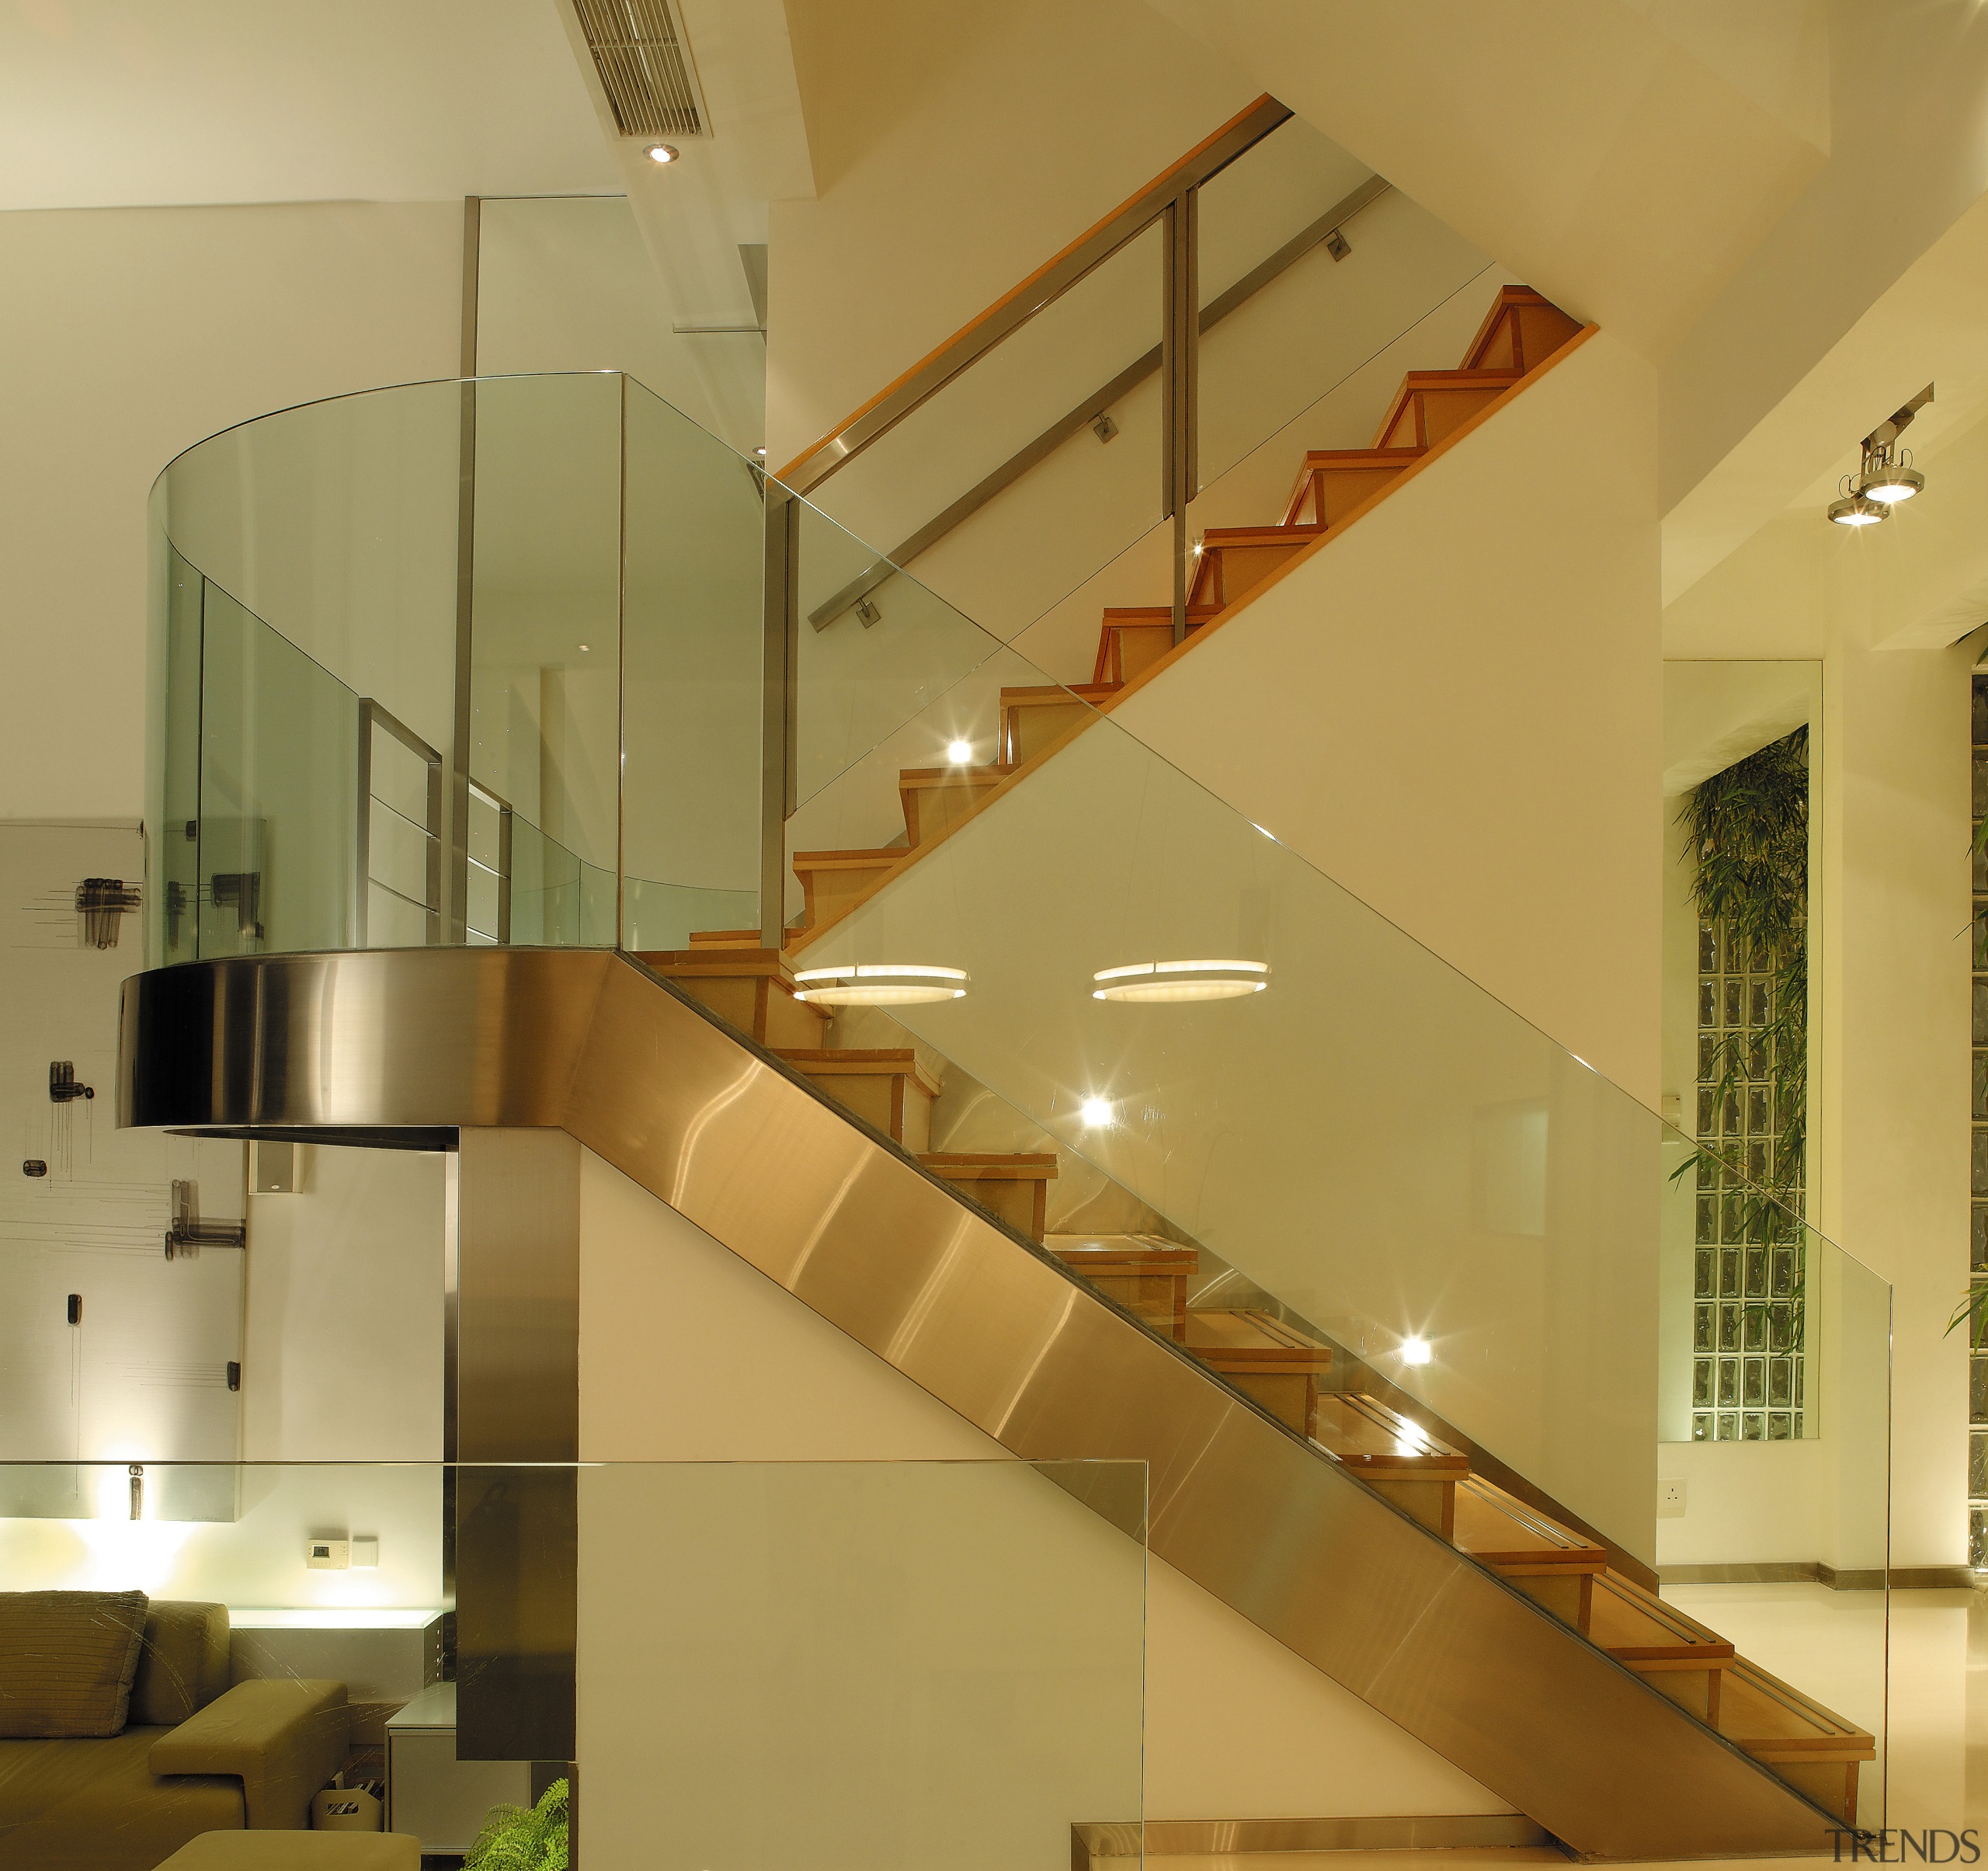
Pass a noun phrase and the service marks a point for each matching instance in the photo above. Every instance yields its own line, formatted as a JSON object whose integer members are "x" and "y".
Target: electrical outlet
{"x": 365, "y": 1550}
{"x": 327, "y": 1555}
{"x": 1670, "y": 1498}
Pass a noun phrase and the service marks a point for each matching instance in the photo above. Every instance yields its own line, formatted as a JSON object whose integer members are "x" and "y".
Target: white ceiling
{"x": 135, "y": 103}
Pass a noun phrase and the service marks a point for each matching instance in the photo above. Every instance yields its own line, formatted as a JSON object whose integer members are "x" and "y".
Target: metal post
{"x": 779, "y": 648}
{"x": 455, "y": 909}
{"x": 622, "y": 937}
{"x": 362, "y": 838}
{"x": 1179, "y": 373}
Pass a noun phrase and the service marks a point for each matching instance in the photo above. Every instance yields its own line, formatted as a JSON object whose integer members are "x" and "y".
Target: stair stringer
{"x": 589, "y": 1042}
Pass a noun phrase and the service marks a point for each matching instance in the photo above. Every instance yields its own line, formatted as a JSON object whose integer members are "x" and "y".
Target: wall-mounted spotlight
{"x": 661, "y": 153}
{"x": 1885, "y": 474}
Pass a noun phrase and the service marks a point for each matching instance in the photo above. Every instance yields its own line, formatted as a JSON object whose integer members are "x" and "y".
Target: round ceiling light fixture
{"x": 1896, "y": 480}
{"x": 1854, "y": 510}
{"x": 1094, "y": 1113}
{"x": 959, "y": 754}
{"x": 662, "y": 152}
{"x": 880, "y": 984}
{"x": 1150, "y": 981}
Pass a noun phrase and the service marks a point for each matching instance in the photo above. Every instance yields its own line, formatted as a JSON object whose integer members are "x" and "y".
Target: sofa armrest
{"x": 282, "y": 1739}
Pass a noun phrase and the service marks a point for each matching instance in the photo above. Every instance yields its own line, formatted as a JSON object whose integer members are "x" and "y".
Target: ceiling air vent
{"x": 645, "y": 64}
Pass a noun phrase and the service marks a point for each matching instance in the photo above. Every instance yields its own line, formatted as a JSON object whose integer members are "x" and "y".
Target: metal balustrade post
{"x": 779, "y": 648}
{"x": 1180, "y": 345}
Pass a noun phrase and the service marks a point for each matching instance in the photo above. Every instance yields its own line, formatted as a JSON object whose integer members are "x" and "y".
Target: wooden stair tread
{"x": 1365, "y": 1433}
{"x": 1054, "y": 694}
{"x": 847, "y": 860}
{"x": 1124, "y": 1253}
{"x": 709, "y": 941}
{"x": 991, "y": 1165}
{"x": 1215, "y": 538}
{"x": 708, "y": 957}
{"x": 1500, "y": 1530}
{"x": 1772, "y": 1721}
{"x": 952, "y": 776}
{"x": 1253, "y": 1341}
{"x": 1637, "y": 1625}
{"x": 1154, "y": 614}
{"x": 1374, "y": 458}
{"x": 857, "y": 1062}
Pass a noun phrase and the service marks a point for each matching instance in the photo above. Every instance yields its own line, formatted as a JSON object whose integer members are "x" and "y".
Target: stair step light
{"x": 1151, "y": 981}
{"x": 880, "y": 984}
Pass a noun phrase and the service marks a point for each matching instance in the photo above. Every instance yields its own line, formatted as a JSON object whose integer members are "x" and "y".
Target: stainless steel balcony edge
{"x": 587, "y": 1041}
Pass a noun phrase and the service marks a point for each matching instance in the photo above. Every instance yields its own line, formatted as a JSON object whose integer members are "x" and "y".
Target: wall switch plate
{"x": 366, "y": 1551}
{"x": 329, "y": 1555}
{"x": 1670, "y": 1498}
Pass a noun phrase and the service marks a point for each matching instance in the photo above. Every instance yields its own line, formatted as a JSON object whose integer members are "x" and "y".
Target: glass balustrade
{"x": 846, "y": 1664}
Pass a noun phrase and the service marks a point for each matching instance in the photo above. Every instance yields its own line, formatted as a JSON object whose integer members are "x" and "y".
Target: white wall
{"x": 688, "y": 1354}
{"x": 1893, "y": 955}
{"x": 955, "y": 150}
{"x": 130, "y": 334}
{"x": 341, "y": 1356}
{"x": 1454, "y": 711}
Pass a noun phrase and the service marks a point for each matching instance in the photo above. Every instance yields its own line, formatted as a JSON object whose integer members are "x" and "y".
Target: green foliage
{"x": 524, "y": 1837}
{"x": 1972, "y": 1312}
{"x": 1748, "y": 838}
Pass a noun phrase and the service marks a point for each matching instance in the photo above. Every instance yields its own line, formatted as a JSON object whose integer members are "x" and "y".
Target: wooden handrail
{"x": 1015, "y": 307}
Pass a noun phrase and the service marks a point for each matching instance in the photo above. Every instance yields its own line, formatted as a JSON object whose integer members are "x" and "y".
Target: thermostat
{"x": 327, "y": 1555}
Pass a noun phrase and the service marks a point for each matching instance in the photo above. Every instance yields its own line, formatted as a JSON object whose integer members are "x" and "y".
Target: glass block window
{"x": 1748, "y": 1271}
{"x": 1977, "y": 1400}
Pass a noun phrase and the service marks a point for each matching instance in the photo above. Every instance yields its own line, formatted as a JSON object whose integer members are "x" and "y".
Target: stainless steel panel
{"x": 591, "y": 1043}
{"x": 516, "y": 1359}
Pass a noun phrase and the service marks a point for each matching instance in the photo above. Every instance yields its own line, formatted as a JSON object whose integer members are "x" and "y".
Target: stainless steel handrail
{"x": 1087, "y": 412}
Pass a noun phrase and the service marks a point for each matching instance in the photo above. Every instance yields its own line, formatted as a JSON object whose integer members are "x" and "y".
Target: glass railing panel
{"x": 545, "y": 727}
{"x": 1349, "y": 322}
{"x": 173, "y": 912}
{"x": 760, "y": 1663}
{"x": 690, "y": 669}
{"x": 278, "y": 791}
{"x": 335, "y": 523}
{"x": 1086, "y": 492}
{"x": 1366, "y": 1141}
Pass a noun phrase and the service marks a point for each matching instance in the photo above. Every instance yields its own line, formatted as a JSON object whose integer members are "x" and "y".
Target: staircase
{"x": 1431, "y": 411}
{"x": 1279, "y": 1364}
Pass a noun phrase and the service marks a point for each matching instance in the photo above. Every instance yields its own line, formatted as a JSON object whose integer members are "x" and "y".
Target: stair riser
{"x": 1027, "y": 732}
{"x": 1429, "y": 416}
{"x": 893, "y": 1102}
{"x": 1432, "y": 1502}
{"x": 1568, "y": 1595}
{"x": 1329, "y": 494}
{"x": 1133, "y": 648}
{"x": 829, "y": 893}
{"x": 773, "y": 1016}
{"x": 1021, "y": 1204}
{"x": 929, "y": 811}
{"x": 1228, "y": 573}
{"x": 1696, "y": 1692}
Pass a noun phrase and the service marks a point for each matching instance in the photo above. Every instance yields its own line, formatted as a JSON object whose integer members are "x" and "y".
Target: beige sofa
{"x": 194, "y": 1756}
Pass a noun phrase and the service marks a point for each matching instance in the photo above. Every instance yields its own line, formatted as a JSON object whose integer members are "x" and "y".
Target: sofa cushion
{"x": 96, "y": 1806}
{"x": 182, "y": 1663}
{"x": 67, "y": 1660}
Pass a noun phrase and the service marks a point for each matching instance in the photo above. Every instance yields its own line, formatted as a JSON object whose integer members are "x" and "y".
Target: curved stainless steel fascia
{"x": 587, "y": 1041}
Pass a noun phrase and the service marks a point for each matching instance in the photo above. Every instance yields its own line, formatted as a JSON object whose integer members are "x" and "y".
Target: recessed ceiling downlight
{"x": 661, "y": 152}
{"x": 880, "y": 984}
{"x": 1149, "y": 981}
